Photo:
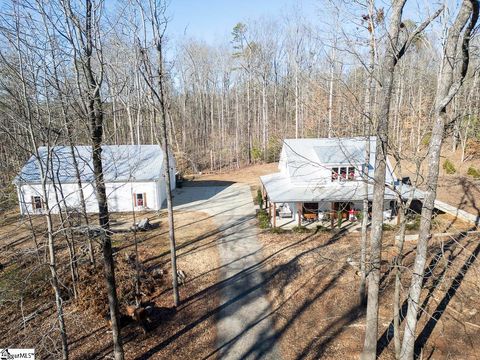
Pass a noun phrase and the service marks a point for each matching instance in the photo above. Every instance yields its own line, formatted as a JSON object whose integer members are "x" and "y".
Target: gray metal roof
{"x": 120, "y": 163}
{"x": 280, "y": 189}
{"x": 310, "y": 159}
{"x": 336, "y": 154}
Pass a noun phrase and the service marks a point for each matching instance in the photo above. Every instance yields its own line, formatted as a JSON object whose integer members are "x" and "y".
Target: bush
{"x": 277, "y": 230}
{"x": 322, "y": 228}
{"x": 449, "y": 167}
{"x": 475, "y": 173}
{"x": 300, "y": 229}
{"x": 259, "y": 198}
{"x": 339, "y": 219}
{"x": 389, "y": 227}
{"x": 413, "y": 224}
{"x": 426, "y": 139}
{"x": 274, "y": 148}
{"x": 263, "y": 219}
{"x": 256, "y": 153}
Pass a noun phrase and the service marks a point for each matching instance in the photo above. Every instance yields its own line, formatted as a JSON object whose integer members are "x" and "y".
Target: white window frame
{"x": 338, "y": 177}
{"x": 141, "y": 198}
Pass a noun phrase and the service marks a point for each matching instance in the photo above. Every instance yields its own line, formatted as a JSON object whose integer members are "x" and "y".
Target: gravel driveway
{"x": 244, "y": 328}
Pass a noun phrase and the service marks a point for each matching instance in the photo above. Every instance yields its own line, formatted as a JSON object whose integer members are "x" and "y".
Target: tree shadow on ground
{"x": 427, "y": 330}
{"x": 266, "y": 341}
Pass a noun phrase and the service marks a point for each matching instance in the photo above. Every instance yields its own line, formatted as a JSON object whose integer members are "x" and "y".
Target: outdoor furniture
{"x": 285, "y": 212}
{"x": 310, "y": 217}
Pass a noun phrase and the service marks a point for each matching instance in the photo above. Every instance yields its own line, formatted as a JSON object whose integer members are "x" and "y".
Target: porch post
{"x": 299, "y": 214}
{"x": 332, "y": 214}
{"x": 274, "y": 215}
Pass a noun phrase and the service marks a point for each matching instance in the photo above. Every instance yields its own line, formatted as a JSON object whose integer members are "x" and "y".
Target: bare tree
{"x": 395, "y": 50}
{"x": 88, "y": 38}
{"x": 452, "y": 73}
{"x": 154, "y": 74}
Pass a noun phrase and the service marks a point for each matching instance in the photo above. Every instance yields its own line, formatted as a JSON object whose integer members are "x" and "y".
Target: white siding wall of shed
{"x": 119, "y": 195}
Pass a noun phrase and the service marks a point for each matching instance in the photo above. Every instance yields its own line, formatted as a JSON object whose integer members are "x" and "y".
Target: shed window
{"x": 140, "y": 199}
{"x": 37, "y": 202}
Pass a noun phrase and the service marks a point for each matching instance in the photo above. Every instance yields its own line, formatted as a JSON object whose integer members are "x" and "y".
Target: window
{"x": 37, "y": 203}
{"x": 351, "y": 173}
{"x": 344, "y": 173}
{"x": 334, "y": 174}
{"x": 139, "y": 200}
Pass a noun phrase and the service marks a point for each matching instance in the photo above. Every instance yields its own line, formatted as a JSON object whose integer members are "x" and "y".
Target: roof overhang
{"x": 280, "y": 189}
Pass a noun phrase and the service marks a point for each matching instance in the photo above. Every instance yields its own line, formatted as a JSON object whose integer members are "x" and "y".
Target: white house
{"x": 321, "y": 177}
{"x": 133, "y": 176}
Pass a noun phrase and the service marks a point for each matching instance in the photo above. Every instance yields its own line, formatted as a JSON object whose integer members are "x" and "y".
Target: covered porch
{"x": 328, "y": 205}
{"x": 312, "y": 215}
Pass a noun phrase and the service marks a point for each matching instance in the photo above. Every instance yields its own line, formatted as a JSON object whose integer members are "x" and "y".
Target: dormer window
{"x": 335, "y": 174}
{"x": 351, "y": 173}
{"x": 343, "y": 173}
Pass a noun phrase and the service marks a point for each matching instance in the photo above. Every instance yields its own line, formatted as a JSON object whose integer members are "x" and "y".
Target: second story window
{"x": 343, "y": 173}
{"x": 334, "y": 173}
{"x": 351, "y": 173}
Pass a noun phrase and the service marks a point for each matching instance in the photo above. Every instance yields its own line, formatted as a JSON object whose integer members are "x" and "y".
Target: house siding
{"x": 119, "y": 196}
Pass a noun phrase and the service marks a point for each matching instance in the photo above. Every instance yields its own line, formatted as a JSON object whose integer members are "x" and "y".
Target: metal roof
{"x": 120, "y": 163}
{"x": 306, "y": 164}
{"x": 337, "y": 154}
{"x": 280, "y": 189}
{"x": 308, "y": 161}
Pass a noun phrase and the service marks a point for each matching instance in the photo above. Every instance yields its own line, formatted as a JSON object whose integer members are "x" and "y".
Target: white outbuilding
{"x": 133, "y": 174}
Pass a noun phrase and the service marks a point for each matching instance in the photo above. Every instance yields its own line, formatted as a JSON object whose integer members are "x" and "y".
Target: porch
{"x": 328, "y": 215}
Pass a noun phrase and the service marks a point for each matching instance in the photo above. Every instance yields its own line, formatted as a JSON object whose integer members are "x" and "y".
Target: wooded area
{"x": 99, "y": 72}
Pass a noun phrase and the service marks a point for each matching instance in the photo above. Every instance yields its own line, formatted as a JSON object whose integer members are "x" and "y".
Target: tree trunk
{"x": 95, "y": 116}
{"x": 370, "y": 344}
{"x": 454, "y": 64}
{"x": 367, "y": 127}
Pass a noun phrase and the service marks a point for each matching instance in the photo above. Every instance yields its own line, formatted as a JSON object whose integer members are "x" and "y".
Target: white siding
{"x": 119, "y": 196}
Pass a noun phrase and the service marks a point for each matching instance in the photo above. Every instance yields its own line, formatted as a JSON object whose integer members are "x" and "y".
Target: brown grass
{"x": 88, "y": 331}
{"x": 314, "y": 294}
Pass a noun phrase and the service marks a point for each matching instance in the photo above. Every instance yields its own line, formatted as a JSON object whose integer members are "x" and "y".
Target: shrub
{"x": 277, "y": 230}
{"x": 426, "y": 139}
{"x": 388, "y": 227}
{"x": 260, "y": 198}
{"x": 449, "y": 167}
{"x": 413, "y": 224}
{"x": 257, "y": 154}
{"x": 475, "y": 173}
{"x": 300, "y": 229}
{"x": 322, "y": 228}
{"x": 263, "y": 219}
{"x": 274, "y": 148}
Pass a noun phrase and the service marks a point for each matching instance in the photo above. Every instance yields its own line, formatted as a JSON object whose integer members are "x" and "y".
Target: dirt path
{"x": 244, "y": 328}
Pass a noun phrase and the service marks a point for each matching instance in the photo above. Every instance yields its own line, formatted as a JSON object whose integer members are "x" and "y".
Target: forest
{"x": 96, "y": 72}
